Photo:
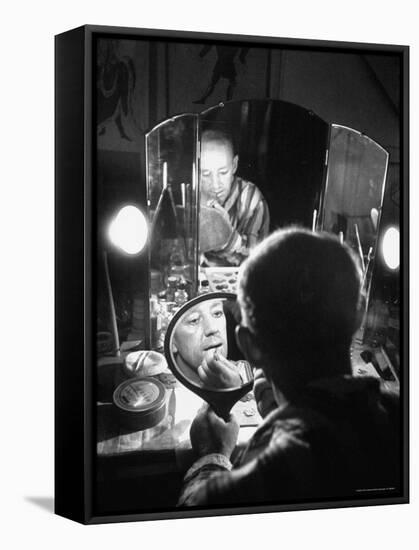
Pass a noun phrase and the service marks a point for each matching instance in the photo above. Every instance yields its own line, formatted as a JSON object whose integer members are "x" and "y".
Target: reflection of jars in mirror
{"x": 168, "y": 311}
{"x": 181, "y": 296}
{"x": 167, "y": 308}
{"x": 156, "y": 282}
{"x": 165, "y": 233}
{"x": 204, "y": 286}
{"x": 176, "y": 269}
{"x": 154, "y": 320}
{"x": 157, "y": 336}
{"x": 171, "y": 288}
{"x": 176, "y": 261}
{"x": 171, "y": 309}
{"x": 221, "y": 287}
{"x": 181, "y": 270}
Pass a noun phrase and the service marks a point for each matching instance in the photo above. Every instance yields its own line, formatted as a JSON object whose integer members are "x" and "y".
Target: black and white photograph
{"x": 247, "y": 201}
{"x": 208, "y": 279}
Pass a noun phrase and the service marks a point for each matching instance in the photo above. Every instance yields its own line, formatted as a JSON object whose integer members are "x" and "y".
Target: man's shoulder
{"x": 279, "y": 424}
{"x": 245, "y": 184}
{"x": 245, "y": 189}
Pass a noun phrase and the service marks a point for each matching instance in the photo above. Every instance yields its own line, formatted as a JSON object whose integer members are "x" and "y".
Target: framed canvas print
{"x": 231, "y": 274}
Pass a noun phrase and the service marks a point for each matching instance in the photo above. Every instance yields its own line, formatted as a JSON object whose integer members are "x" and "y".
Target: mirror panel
{"x": 172, "y": 197}
{"x": 281, "y": 148}
{"x": 353, "y": 198}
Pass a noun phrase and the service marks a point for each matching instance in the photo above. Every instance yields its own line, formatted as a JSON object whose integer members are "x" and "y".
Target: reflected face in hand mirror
{"x": 202, "y": 349}
{"x": 200, "y": 337}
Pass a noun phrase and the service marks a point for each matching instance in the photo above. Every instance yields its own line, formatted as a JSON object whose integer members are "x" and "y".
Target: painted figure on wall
{"x": 225, "y": 67}
{"x": 116, "y": 81}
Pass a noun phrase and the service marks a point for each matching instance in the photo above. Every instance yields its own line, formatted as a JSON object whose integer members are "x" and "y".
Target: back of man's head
{"x": 299, "y": 292}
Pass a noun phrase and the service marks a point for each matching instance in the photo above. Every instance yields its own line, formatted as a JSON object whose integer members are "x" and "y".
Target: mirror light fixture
{"x": 129, "y": 230}
{"x": 391, "y": 248}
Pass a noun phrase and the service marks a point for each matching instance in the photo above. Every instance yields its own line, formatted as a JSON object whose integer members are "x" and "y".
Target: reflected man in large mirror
{"x": 234, "y": 215}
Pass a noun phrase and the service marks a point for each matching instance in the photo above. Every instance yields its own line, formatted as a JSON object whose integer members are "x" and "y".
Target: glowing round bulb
{"x": 391, "y": 248}
{"x": 129, "y": 230}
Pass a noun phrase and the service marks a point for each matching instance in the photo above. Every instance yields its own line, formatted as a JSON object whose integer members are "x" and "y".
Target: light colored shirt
{"x": 249, "y": 217}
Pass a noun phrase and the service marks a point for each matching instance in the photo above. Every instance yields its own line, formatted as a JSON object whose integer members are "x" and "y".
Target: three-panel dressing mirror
{"x": 311, "y": 173}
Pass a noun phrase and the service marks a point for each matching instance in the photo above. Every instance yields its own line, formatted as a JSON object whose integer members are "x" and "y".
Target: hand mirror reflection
{"x": 215, "y": 228}
{"x": 201, "y": 351}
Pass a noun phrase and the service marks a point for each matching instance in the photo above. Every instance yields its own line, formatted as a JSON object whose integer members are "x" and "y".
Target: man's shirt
{"x": 341, "y": 439}
{"x": 249, "y": 216}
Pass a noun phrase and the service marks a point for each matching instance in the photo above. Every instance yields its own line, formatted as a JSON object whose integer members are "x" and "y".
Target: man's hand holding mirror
{"x": 212, "y": 434}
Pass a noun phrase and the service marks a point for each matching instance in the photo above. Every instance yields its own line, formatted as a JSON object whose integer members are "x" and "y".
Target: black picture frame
{"x": 76, "y": 269}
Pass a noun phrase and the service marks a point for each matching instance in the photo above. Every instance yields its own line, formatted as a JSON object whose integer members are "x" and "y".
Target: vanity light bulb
{"x": 391, "y": 248}
{"x": 129, "y": 230}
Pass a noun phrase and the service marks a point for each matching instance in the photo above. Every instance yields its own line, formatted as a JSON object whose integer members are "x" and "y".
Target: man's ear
{"x": 235, "y": 163}
{"x": 246, "y": 342}
{"x": 174, "y": 346}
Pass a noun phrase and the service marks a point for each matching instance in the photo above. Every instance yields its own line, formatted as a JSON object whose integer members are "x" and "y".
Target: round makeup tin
{"x": 140, "y": 402}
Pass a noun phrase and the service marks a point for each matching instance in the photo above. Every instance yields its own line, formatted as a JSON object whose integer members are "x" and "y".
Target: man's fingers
{"x": 202, "y": 417}
{"x": 223, "y": 360}
{"x": 203, "y": 373}
{"x": 204, "y": 408}
{"x": 258, "y": 373}
{"x": 215, "y": 419}
{"x": 209, "y": 374}
{"x": 220, "y": 362}
{"x": 260, "y": 384}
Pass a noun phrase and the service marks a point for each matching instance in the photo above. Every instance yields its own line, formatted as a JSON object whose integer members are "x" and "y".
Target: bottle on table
{"x": 181, "y": 295}
{"x": 204, "y": 287}
{"x": 172, "y": 284}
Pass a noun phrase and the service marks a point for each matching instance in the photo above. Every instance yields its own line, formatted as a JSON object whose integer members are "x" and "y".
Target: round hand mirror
{"x": 215, "y": 228}
{"x": 201, "y": 351}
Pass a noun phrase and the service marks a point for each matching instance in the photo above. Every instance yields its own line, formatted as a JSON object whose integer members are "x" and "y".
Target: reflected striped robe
{"x": 249, "y": 216}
